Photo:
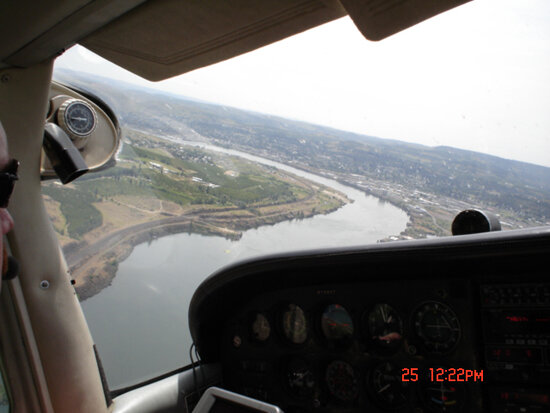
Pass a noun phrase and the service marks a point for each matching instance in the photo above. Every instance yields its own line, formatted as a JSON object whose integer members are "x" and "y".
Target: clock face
{"x": 78, "y": 117}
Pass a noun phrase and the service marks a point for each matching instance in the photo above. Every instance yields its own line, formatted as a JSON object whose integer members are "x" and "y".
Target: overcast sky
{"x": 476, "y": 77}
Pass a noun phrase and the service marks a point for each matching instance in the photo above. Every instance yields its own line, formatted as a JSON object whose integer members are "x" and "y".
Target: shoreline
{"x": 95, "y": 279}
{"x": 91, "y": 279}
{"x": 416, "y": 227}
{"x": 415, "y": 220}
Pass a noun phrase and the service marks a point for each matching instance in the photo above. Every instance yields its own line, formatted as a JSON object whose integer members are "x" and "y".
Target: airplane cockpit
{"x": 424, "y": 325}
{"x": 456, "y": 323}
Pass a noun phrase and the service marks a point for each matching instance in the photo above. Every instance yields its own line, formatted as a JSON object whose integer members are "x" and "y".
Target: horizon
{"x": 360, "y": 135}
{"x": 485, "y": 89}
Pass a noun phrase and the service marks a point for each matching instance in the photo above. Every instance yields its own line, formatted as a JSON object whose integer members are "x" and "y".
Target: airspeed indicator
{"x": 295, "y": 324}
{"x": 260, "y": 327}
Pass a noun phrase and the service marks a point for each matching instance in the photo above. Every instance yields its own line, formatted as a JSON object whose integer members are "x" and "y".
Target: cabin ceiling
{"x": 157, "y": 39}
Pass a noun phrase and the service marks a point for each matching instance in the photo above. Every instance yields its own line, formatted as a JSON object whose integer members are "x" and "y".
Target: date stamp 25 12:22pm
{"x": 440, "y": 374}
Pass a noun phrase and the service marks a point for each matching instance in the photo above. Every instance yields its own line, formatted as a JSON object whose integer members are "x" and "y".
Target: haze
{"x": 476, "y": 77}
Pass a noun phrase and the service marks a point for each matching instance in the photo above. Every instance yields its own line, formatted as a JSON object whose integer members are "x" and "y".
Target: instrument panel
{"x": 453, "y": 325}
{"x": 349, "y": 346}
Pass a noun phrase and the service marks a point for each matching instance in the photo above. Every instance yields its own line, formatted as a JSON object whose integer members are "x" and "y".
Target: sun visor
{"x": 378, "y": 19}
{"x": 164, "y": 38}
{"x": 34, "y": 31}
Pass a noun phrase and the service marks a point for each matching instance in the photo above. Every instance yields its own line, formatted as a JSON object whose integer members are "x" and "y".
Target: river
{"x": 139, "y": 323}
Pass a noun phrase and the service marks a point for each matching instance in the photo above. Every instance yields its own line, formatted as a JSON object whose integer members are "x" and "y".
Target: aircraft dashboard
{"x": 454, "y": 325}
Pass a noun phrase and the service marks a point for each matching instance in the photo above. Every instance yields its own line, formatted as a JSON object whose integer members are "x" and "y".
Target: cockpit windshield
{"x": 321, "y": 140}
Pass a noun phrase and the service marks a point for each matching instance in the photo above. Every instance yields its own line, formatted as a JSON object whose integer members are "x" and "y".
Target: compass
{"x": 77, "y": 117}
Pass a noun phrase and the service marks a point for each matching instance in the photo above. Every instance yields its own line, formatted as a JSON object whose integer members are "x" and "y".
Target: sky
{"x": 476, "y": 77}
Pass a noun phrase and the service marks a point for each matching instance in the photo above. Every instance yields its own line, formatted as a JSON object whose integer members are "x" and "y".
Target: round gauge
{"x": 341, "y": 381}
{"x": 437, "y": 326}
{"x": 442, "y": 397}
{"x": 387, "y": 387}
{"x": 260, "y": 327}
{"x": 385, "y": 327}
{"x": 295, "y": 324}
{"x": 300, "y": 378}
{"x": 336, "y": 323}
{"x": 77, "y": 117}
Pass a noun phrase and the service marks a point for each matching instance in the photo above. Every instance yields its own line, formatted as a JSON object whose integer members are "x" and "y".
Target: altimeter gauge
{"x": 77, "y": 118}
{"x": 385, "y": 327}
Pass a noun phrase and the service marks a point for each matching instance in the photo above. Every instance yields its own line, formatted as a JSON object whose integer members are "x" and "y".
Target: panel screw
{"x": 5, "y": 78}
{"x": 44, "y": 284}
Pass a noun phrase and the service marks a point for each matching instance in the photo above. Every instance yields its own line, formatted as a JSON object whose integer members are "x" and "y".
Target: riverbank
{"x": 422, "y": 223}
{"x": 429, "y": 215}
{"x": 94, "y": 262}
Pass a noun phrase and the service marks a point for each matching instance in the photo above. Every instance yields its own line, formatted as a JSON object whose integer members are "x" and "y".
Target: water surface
{"x": 140, "y": 323}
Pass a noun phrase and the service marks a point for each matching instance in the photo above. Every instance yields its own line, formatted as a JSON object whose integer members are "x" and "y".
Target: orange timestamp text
{"x": 440, "y": 374}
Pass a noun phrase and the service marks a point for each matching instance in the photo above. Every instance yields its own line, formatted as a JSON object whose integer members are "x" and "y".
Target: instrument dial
{"x": 77, "y": 117}
{"x": 387, "y": 387}
{"x": 341, "y": 381}
{"x": 300, "y": 378}
{"x": 295, "y": 324}
{"x": 336, "y": 323}
{"x": 385, "y": 327}
{"x": 437, "y": 326}
{"x": 261, "y": 329}
{"x": 442, "y": 397}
